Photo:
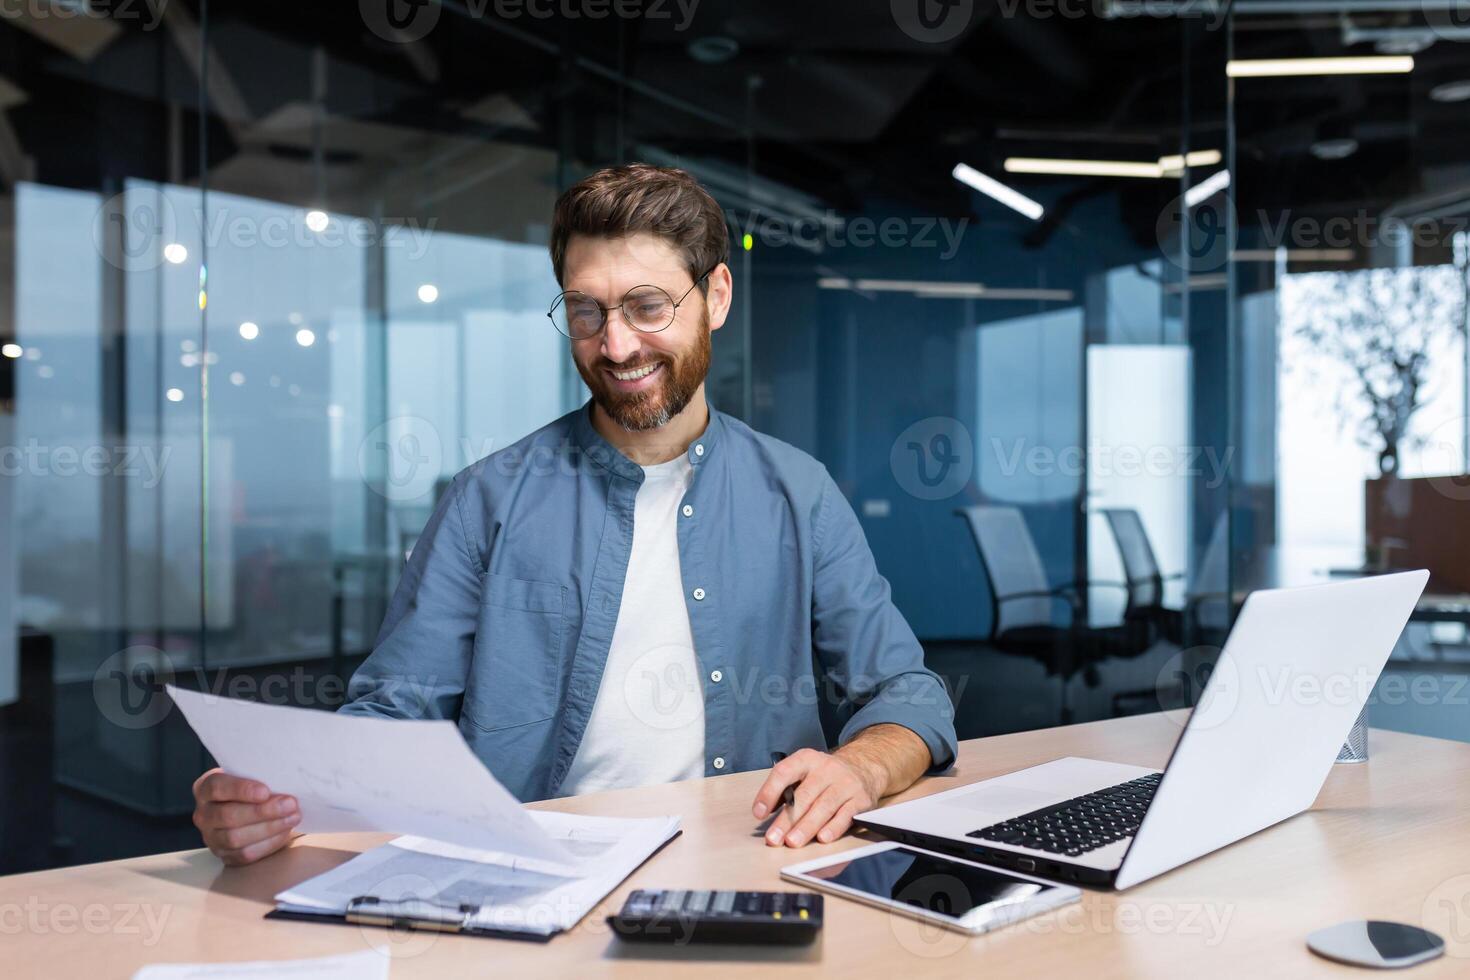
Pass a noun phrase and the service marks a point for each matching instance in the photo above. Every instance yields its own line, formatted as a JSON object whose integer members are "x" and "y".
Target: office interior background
{"x": 271, "y": 273}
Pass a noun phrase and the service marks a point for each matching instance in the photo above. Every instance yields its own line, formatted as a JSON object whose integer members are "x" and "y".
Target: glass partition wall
{"x": 1349, "y": 315}
{"x": 274, "y": 274}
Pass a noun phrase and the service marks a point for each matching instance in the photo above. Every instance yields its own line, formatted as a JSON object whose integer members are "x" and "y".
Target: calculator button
{"x": 673, "y": 900}
{"x": 724, "y": 903}
{"x": 697, "y": 902}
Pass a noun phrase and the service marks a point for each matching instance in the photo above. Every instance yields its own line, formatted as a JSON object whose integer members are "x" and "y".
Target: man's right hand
{"x": 241, "y": 820}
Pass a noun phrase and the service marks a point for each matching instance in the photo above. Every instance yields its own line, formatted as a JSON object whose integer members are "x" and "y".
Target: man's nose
{"x": 620, "y": 342}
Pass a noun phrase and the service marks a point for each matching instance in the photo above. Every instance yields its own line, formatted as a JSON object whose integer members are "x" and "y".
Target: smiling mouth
{"x": 636, "y": 374}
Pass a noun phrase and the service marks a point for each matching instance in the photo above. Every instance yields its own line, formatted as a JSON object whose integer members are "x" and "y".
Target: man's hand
{"x": 834, "y": 788}
{"x": 241, "y": 820}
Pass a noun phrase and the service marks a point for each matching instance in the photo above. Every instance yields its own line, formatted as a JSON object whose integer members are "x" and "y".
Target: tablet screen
{"x": 943, "y": 887}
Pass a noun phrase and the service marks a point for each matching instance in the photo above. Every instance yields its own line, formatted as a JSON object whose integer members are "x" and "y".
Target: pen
{"x": 788, "y": 795}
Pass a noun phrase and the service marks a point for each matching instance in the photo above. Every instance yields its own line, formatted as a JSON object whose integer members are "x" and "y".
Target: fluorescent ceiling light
{"x": 1294, "y": 254}
{"x": 1207, "y": 188}
{"x": 1083, "y": 168}
{"x": 1198, "y": 158}
{"x": 1015, "y": 200}
{"x": 1280, "y": 67}
{"x": 941, "y": 289}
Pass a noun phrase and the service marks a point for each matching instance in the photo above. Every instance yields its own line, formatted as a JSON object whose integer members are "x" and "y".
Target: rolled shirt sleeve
{"x": 421, "y": 661}
{"x": 863, "y": 642}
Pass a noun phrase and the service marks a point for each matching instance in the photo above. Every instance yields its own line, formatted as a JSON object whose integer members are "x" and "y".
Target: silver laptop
{"x": 1296, "y": 670}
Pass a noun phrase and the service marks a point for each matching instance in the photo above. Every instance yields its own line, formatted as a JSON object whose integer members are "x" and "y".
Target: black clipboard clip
{"x": 410, "y": 913}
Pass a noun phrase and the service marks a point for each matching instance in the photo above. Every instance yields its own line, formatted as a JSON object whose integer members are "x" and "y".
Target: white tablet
{"x": 947, "y": 891}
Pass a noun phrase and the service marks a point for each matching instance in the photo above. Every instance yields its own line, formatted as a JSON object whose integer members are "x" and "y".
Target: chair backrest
{"x": 1140, "y": 567}
{"x": 1012, "y": 565}
{"x": 1209, "y": 594}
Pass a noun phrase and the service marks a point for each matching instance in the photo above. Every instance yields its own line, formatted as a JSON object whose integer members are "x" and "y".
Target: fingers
{"x": 839, "y": 823}
{"x": 254, "y": 852}
{"x": 237, "y": 839}
{"x": 239, "y": 819}
{"x": 816, "y": 816}
{"x": 789, "y": 770}
{"x": 217, "y": 786}
{"x": 777, "y": 831}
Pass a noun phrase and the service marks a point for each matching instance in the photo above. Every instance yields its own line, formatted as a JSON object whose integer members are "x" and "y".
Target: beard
{"x": 679, "y": 379}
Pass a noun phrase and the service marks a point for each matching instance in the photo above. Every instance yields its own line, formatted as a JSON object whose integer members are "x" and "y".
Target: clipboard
{"x": 422, "y": 915}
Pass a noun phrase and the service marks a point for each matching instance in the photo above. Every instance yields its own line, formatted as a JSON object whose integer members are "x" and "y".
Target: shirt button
{"x": 688, "y": 511}
{"x": 716, "y": 676}
{"x": 699, "y": 449}
{"x": 719, "y": 762}
{"x": 698, "y": 595}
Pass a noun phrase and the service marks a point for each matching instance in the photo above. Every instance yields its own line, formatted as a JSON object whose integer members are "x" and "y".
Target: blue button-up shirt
{"x": 504, "y": 614}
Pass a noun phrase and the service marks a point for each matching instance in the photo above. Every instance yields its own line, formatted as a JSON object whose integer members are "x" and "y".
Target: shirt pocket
{"x": 517, "y": 662}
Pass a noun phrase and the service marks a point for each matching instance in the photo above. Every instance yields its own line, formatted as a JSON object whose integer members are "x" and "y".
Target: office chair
{"x": 1023, "y": 603}
{"x": 1145, "y": 614}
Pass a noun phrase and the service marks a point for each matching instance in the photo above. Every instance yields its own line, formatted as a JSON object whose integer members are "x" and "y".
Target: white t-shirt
{"x": 647, "y": 725}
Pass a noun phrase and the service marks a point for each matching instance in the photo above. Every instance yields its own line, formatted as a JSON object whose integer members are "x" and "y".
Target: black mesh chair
{"x": 1024, "y": 605}
{"x": 1145, "y": 614}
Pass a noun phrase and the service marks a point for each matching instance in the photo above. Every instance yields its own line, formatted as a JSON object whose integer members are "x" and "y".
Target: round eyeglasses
{"x": 647, "y": 309}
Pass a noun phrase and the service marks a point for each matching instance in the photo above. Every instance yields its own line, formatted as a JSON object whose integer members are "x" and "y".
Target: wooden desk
{"x": 1389, "y": 839}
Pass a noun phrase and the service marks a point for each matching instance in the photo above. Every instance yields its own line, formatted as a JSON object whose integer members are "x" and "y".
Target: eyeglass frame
{"x": 605, "y": 310}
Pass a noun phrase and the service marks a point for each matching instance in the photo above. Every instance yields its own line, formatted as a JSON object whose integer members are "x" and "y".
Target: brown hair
{"x": 638, "y": 197}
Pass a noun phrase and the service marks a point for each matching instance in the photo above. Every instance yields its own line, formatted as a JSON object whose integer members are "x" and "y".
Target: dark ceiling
{"x": 831, "y": 99}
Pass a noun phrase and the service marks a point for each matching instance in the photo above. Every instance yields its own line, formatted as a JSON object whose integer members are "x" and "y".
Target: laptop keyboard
{"x": 1081, "y": 824}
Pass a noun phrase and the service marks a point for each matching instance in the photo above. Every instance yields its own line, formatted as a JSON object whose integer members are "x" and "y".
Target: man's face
{"x": 641, "y": 380}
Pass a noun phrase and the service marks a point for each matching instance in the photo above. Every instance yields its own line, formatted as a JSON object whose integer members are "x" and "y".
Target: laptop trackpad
{"x": 1002, "y": 800}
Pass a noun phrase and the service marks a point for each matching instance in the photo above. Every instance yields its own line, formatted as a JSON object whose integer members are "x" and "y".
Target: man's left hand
{"x": 832, "y": 789}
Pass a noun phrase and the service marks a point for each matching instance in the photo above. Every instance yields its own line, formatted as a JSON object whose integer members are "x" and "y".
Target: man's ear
{"x": 721, "y": 292}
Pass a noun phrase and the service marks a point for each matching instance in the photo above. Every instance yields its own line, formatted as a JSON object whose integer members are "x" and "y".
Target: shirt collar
{"x": 606, "y": 455}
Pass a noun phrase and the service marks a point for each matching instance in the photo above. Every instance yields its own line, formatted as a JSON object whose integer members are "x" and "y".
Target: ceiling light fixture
{"x": 990, "y": 187}
{"x": 1284, "y": 67}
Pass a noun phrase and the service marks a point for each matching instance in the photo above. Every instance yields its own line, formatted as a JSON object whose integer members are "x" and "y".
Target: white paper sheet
{"x": 368, "y": 964}
{"x": 354, "y": 773}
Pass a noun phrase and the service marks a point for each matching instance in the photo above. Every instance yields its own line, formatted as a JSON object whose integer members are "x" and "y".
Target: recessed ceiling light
{"x": 1335, "y": 149}
{"x": 249, "y": 330}
{"x": 174, "y": 394}
{"x": 317, "y": 221}
{"x": 428, "y": 293}
{"x": 1451, "y": 91}
{"x": 12, "y": 351}
{"x": 1084, "y": 168}
{"x": 175, "y": 253}
{"x": 305, "y": 337}
{"x": 713, "y": 50}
